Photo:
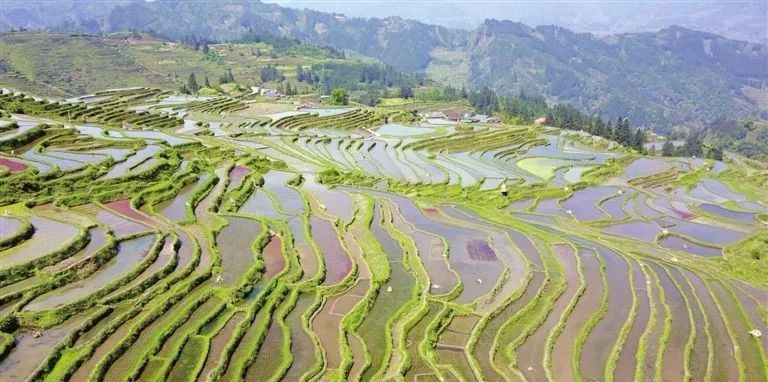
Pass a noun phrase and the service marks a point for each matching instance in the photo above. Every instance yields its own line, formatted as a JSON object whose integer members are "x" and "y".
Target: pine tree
{"x": 207, "y": 83}
{"x": 668, "y": 149}
{"x": 192, "y": 83}
{"x": 607, "y": 131}
{"x": 638, "y": 141}
{"x": 717, "y": 153}
{"x": 406, "y": 92}
{"x": 622, "y": 133}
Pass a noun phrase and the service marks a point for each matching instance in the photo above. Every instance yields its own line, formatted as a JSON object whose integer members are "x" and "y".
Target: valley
{"x": 148, "y": 235}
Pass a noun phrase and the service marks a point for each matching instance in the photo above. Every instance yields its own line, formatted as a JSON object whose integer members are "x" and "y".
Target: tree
{"x": 370, "y": 98}
{"x": 622, "y": 133}
{"x": 192, "y": 85}
{"x": 406, "y": 92}
{"x": 207, "y": 83}
{"x": 668, "y": 149}
{"x": 270, "y": 73}
{"x": 227, "y": 77}
{"x": 717, "y": 153}
{"x": 693, "y": 143}
{"x": 339, "y": 96}
{"x": 652, "y": 150}
{"x": 638, "y": 141}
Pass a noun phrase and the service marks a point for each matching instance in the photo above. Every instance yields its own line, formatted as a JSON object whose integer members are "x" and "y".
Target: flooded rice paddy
{"x": 387, "y": 252}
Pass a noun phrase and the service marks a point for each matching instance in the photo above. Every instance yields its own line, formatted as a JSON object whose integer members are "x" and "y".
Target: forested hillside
{"x": 671, "y": 77}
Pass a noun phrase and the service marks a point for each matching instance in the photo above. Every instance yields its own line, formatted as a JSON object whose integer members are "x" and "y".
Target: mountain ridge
{"x": 675, "y": 76}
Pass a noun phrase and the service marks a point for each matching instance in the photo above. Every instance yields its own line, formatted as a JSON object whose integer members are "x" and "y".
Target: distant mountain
{"x": 404, "y": 44}
{"x": 673, "y": 76}
{"x": 739, "y": 20}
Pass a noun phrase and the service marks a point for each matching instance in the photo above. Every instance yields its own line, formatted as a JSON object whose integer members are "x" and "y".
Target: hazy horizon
{"x": 741, "y": 20}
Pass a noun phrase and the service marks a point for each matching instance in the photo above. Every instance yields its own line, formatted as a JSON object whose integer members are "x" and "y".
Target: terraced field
{"x": 140, "y": 244}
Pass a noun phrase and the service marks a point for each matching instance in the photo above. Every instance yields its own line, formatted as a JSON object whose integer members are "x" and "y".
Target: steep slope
{"x": 402, "y": 43}
{"x": 59, "y": 64}
{"x": 672, "y": 76}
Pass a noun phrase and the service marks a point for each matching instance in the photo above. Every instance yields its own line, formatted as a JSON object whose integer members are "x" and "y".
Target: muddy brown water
{"x": 270, "y": 354}
{"x": 289, "y": 199}
{"x": 452, "y": 344}
{"x": 614, "y": 206}
{"x": 30, "y": 352}
{"x": 637, "y": 230}
{"x": 307, "y": 257}
{"x": 98, "y": 237}
{"x": 129, "y": 254}
{"x": 588, "y": 303}
{"x": 602, "y": 337}
{"x": 627, "y": 362}
{"x": 419, "y": 368}
{"x": 124, "y": 207}
{"x": 260, "y": 204}
{"x": 48, "y": 236}
{"x": 456, "y": 357}
{"x": 673, "y": 366}
{"x": 530, "y": 355}
{"x": 374, "y": 329}
{"x": 120, "y": 226}
{"x": 9, "y": 226}
{"x": 477, "y": 277}
{"x": 724, "y": 361}
{"x": 583, "y": 203}
{"x": 272, "y": 255}
{"x": 175, "y": 209}
{"x": 755, "y": 317}
{"x": 684, "y": 245}
{"x": 235, "y": 247}
{"x": 699, "y": 352}
{"x": 431, "y": 249}
{"x": 749, "y": 347}
{"x": 487, "y": 336}
{"x": 700, "y": 232}
{"x": 326, "y": 323}
{"x": 358, "y": 358}
{"x": 503, "y": 246}
{"x": 337, "y": 261}
{"x": 335, "y": 202}
{"x": 303, "y": 349}
{"x": 218, "y": 343}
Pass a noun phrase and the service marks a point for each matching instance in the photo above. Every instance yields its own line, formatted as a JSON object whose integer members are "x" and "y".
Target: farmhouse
{"x": 436, "y": 115}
